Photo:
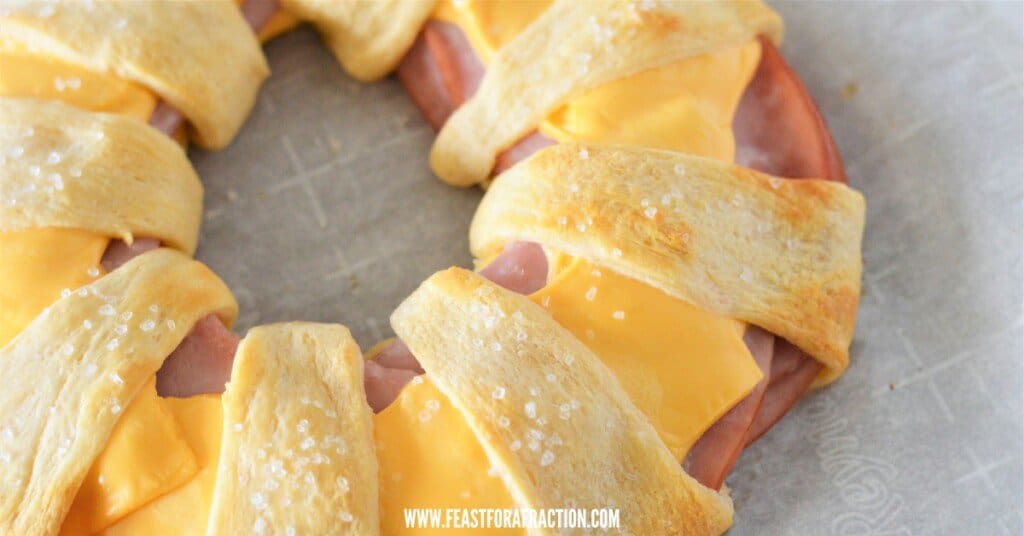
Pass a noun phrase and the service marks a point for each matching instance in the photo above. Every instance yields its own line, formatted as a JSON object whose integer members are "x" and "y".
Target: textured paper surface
{"x": 324, "y": 209}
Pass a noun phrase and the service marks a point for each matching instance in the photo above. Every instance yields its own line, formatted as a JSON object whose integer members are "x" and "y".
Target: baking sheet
{"x": 324, "y": 209}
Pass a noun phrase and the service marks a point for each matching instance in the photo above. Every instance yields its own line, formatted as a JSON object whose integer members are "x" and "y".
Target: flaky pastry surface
{"x": 297, "y": 454}
{"x": 575, "y": 46}
{"x": 368, "y": 38}
{"x": 67, "y": 377}
{"x": 66, "y": 167}
{"x": 551, "y": 417}
{"x": 781, "y": 254}
{"x": 200, "y": 56}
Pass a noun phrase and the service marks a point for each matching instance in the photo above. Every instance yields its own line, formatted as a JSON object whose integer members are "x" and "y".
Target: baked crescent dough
{"x": 368, "y": 38}
{"x": 575, "y": 46}
{"x": 68, "y": 375}
{"x": 475, "y": 339}
{"x": 781, "y": 254}
{"x": 297, "y": 455}
{"x": 65, "y": 167}
{"x": 201, "y": 57}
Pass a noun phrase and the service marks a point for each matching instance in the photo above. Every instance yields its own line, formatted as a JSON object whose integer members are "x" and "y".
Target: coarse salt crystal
{"x": 531, "y": 409}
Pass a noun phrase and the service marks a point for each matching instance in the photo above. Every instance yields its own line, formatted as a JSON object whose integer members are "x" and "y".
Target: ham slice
{"x": 441, "y": 71}
{"x": 460, "y": 69}
{"x": 778, "y": 127}
{"x": 714, "y": 454}
{"x": 166, "y": 118}
{"x": 397, "y": 356}
{"x": 119, "y": 252}
{"x": 259, "y": 12}
{"x": 523, "y": 268}
{"x": 792, "y": 373}
{"x": 201, "y": 363}
{"x": 382, "y": 384}
{"x": 422, "y": 80}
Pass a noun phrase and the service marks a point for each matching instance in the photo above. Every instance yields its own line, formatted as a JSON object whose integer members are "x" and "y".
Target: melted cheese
{"x": 33, "y": 74}
{"x": 279, "y": 23}
{"x": 28, "y": 73}
{"x": 185, "y": 510}
{"x": 145, "y": 457}
{"x": 430, "y": 458}
{"x": 687, "y": 106}
{"x": 37, "y": 265}
{"x": 681, "y": 366}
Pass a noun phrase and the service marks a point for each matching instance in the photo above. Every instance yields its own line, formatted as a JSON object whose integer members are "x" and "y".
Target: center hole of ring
{"x": 324, "y": 208}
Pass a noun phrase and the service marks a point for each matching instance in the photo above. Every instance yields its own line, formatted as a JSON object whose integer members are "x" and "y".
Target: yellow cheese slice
{"x": 683, "y": 367}
{"x": 145, "y": 457}
{"x": 430, "y": 458}
{"x": 278, "y": 24}
{"x": 185, "y": 510}
{"x": 686, "y": 106}
{"x": 37, "y": 75}
{"x": 551, "y": 418}
{"x": 37, "y": 265}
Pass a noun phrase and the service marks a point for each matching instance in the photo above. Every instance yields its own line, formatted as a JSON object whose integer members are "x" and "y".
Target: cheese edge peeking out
{"x": 36, "y": 75}
{"x": 185, "y": 510}
{"x": 633, "y": 328}
{"x": 687, "y": 106}
{"x": 429, "y": 457}
{"x": 37, "y": 265}
{"x": 30, "y": 74}
{"x": 146, "y": 457}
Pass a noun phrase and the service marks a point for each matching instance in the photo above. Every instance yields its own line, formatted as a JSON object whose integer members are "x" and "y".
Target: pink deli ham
{"x": 778, "y": 129}
{"x": 202, "y": 361}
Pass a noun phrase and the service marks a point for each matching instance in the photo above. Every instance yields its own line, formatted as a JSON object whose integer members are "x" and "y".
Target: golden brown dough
{"x": 781, "y": 254}
{"x": 575, "y": 46}
{"x": 519, "y": 377}
{"x": 297, "y": 455}
{"x": 65, "y": 379}
{"x": 368, "y": 38}
{"x": 200, "y": 56}
{"x": 65, "y": 167}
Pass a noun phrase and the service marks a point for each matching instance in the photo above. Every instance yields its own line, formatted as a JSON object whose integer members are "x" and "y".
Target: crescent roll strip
{"x": 510, "y": 368}
{"x": 201, "y": 57}
{"x": 64, "y": 167}
{"x": 67, "y": 377}
{"x": 575, "y": 46}
{"x": 297, "y": 455}
{"x": 781, "y": 254}
{"x": 368, "y": 38}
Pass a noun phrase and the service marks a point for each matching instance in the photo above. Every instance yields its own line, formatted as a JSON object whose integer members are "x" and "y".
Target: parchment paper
{"x": 324, "y": 209}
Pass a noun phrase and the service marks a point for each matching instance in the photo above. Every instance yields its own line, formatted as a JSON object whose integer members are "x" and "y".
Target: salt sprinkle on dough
{"x": 61, "y": 405}
{"x": 574, "y": 442}
{"x": 784, "y": 255}
{"x": 297, "y": 454}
